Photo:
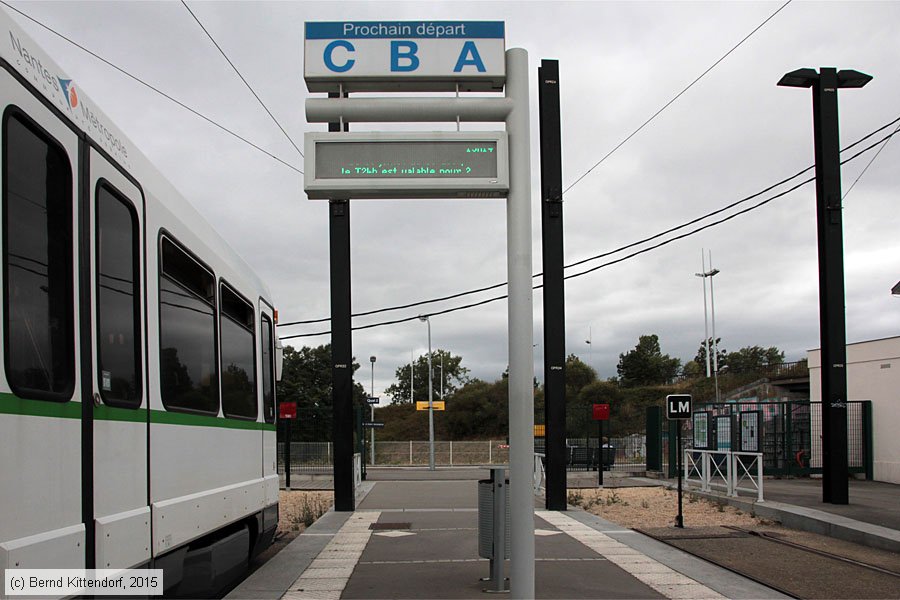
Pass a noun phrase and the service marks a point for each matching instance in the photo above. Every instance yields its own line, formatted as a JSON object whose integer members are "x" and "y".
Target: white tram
{"x": 138, "y": 353}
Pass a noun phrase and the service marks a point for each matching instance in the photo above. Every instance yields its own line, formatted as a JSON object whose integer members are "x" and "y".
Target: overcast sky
{"x": 731, "y": 135}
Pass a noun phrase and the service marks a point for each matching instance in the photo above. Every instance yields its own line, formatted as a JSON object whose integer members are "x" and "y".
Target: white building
{"x": 873, "y": 373}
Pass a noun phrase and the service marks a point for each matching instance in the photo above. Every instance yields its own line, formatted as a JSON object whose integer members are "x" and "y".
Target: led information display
{"x": 345, "y": 165}
{"x": 385, "y": 160}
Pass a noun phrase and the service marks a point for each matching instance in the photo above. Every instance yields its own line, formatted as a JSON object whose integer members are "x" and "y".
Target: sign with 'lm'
{"x": 379, "y": 56}
{"x": 678, "y": 406}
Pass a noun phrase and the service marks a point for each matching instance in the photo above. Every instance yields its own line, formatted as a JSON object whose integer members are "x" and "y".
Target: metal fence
{"x": 308, "y": 458}
{"x": 623, "y": 451}
{"x": 415, "y": 453}
{"x": 626, "y": 453}
{"x": 316, "y": 458}
{"x": 787, "y": 433}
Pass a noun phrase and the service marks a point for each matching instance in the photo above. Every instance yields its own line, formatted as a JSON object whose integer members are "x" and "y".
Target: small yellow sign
{"x": 437, "y": 404}
{"x": 538, "y": 431}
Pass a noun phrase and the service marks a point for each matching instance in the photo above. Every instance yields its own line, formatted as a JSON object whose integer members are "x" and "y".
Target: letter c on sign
{"x": 329, "y": 49}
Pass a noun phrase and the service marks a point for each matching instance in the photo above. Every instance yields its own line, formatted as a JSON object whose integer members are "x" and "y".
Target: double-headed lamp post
{"x": 590, "y": 345}
{"x": 441, "y": 367}
{"x": 712, "y": 299}
{"x": 425, "y": 319}
{"x": 832, "y": 325}
{"x": 372, "y": 414}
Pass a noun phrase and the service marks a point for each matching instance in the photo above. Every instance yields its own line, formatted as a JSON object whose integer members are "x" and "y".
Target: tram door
{"x": 120, "y": 404}
{"x": 40, "y": 405}
{"x": 267, "y": 382}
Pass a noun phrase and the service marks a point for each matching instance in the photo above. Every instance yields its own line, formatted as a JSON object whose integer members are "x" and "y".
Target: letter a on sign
{"x": 678, "y": 406}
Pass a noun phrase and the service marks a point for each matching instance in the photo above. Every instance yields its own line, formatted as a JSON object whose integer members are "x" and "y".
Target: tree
{"x": 578, "y": 375}
{"x": 479, "y": 410}
{"x": 753, "y": 358}
{"x": 646, "y": 364}
{"x": 599, "y": 392}
{"x": 306, "y": 378}
{"x": 454, "y": 375}
{"x": 692, "y": 369}
{"x": 720, "y": 353}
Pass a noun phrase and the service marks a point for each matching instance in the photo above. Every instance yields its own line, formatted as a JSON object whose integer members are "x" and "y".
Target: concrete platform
{"x": 418, "y": 539}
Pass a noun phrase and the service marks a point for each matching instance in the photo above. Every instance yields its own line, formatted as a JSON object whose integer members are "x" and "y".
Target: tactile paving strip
{"x": 661, "y": 578}
{"x": 327, "y": 575}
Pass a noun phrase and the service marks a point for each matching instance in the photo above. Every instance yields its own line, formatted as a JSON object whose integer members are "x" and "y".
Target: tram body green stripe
{"x": 11, "y": 404}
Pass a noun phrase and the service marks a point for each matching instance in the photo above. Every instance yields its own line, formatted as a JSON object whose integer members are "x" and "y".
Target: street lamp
{"x": 372, "y": 413}
{"x": 425, "y": 319}
{"x": 441, "y": 367}
{"x": 712, "y": 297}
{"x": 832, "y": 319}
{"x": 590, "y": 345}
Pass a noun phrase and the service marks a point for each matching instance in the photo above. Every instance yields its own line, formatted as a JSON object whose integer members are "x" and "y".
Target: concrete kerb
{"x": 807, "y": 519}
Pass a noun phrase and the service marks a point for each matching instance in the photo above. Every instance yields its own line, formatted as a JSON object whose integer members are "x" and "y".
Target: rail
{"x": 731, "y": 472}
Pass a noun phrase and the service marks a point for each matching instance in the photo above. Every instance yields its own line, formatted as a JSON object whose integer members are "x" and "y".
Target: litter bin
{"x": 493, "y": 530}
{"x": 609, "y": 457}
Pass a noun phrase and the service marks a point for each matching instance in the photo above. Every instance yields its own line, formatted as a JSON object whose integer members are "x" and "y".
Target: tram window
{"x": 37, "y": 262}
{"x": 268, "y": 369}
{"x": 118, "y": 308}
{"x": 238, "y": 366}
{"x": 187, "y": 330}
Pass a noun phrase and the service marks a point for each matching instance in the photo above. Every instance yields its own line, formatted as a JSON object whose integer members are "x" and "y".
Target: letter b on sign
{"x": 678, "y": 406}
{"x": 403, "y": 56}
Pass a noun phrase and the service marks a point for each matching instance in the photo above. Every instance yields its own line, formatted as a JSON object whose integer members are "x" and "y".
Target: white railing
{"x": 725, "y": 470}
{"x": 538, "y": 473}
{"x": 446, "y": 453}
{"x": 743, "y": 463}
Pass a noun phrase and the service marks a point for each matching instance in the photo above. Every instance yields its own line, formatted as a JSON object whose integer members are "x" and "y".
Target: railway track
{"x": 794, "y": 569}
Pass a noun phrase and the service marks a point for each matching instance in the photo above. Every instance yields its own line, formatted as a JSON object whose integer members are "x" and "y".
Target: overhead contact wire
{"x": 246, "y": 83}
{"x": 618, "y": 260}
{"x": 604, "y": 254}
{"x": 677, "y": 96}
{"x": 151, "y": 87}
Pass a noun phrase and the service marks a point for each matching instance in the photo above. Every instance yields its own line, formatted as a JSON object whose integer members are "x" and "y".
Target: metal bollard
{"x": 493, "y": 526}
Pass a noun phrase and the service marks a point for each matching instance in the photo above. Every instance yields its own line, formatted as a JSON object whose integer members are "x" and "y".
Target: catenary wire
{"x": 677, "y": 96}
{"x": 246, "y": 83}
{"x": 147, "y": 85}
{"x": 863, "y": 172}
{"x": 610, "y": 263}
{"x": 541, "y": 285}
{"x": 604, "y": 254}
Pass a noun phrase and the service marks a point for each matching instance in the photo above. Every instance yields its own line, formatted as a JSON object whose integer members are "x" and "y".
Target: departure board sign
{"x": 418, "y": 56}
{"x": 406, "y": 165}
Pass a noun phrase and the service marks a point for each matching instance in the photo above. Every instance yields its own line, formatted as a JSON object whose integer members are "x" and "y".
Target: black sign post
{"x": 600, "y": 413}
{"x": 678, "y": 409}
{"x": 341, "y": 348}
{"x": 554, "y": 288}
{"x": 600, "y": 452}
{"x": 287, "y": 454}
